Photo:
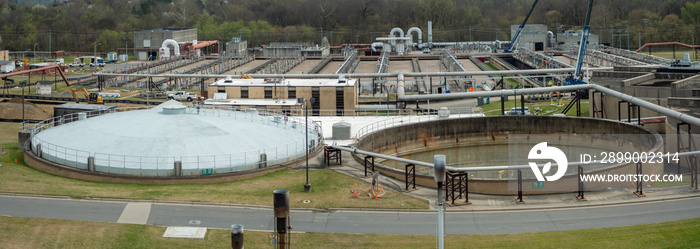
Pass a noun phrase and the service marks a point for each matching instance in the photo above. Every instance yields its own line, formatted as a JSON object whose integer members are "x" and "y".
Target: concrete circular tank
{"x": 171, "y": 140}
{"x": 490, "y": 141}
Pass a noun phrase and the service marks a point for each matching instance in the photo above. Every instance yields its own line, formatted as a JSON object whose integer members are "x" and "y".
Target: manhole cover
{"x": 306, "y": 201}
{"x": 195, "y": 222}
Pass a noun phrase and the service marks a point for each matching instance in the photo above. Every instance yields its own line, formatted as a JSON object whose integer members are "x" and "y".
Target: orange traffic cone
{"x": 15, "y": 160}
{"x": 375, "y": 196}
{"x": 354, "y": 190}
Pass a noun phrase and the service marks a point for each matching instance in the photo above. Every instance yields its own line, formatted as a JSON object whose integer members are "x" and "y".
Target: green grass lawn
{"x": 17, "y": 232}
{"x": 494, "y": 108}
{"x": 330, "y": 189}
{"x": 669, "y": 54}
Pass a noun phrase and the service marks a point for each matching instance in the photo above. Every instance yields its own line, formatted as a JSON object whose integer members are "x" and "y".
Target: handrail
{"x": 72, "y": 157}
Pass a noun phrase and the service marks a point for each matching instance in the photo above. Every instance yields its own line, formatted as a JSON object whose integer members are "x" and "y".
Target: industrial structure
{"x": 148, "y": 42}
{"x": 336, "y": 95}
{"x": 237, "y": 47}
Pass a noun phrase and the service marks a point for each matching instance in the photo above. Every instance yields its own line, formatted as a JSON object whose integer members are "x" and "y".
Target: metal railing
{"x": 191, "y": 165}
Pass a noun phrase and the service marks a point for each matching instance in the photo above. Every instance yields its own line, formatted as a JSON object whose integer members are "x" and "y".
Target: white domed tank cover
{"x": 148, "y": 142}
{"x": 173, "y": 43}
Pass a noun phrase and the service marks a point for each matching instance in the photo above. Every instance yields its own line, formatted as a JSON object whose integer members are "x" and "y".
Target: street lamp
{"x": 126, "y": 52}
{"x": 35, "y": 51}
{"x": 439, "y": 162}
{"x": 302, "y": 101}
{"x": 94, "y": 59}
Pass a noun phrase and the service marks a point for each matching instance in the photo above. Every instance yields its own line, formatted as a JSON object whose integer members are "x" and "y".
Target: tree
{"x": 691, "y": 13}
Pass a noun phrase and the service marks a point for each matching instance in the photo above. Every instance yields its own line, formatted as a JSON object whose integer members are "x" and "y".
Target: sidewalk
{"x": 481, "y": 202}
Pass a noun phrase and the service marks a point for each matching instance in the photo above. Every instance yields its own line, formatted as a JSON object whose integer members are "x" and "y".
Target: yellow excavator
{"x": 93, "y": 98}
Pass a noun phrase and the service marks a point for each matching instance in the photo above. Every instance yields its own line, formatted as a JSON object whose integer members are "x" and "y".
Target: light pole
{"x": 94, "y": 59}
{"x": 302, "y": 101}
{"x": 440, "y": 164}
{"x": 35, "y": 51}
{"x": 126, "y": 52}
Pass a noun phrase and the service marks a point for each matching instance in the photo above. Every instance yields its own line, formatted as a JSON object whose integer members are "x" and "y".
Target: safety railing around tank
{"x": 190, "y": 165}
{"x": 410, "y": 119}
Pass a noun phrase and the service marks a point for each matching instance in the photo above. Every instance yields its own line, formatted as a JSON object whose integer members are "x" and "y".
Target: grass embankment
{"x": 494, "y": 108}
{"x": 48, "y": 233}
{"x": 329, "y": 189}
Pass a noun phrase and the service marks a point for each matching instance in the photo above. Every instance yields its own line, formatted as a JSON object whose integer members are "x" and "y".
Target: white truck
{"x": 182, "y": 95}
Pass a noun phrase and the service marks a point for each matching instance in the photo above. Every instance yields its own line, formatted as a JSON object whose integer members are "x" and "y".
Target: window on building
{"x": 292, "y": 93}
{"x": 221, "y": 89}
{"x": 339, "y": 101}
{"x": 316, "y": 94}
{"x": 244, "y": 92}
{"x": 268, "y": 92}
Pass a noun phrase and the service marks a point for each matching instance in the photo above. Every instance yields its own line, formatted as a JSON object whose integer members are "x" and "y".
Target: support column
{"x": 177, "y": 168}
{"x": 520, "y": 188}
{"x": 639, "y": 182}
{"x": 91, "y": 164}
{"x": 581, "y": 185}
{"x": 369, "y": 159}
{"x": 236, "y": 236}
{"x": 410, "y": 175}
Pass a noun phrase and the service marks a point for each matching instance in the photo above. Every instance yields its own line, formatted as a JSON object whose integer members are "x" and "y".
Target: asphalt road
{"x": 360, "y": 222}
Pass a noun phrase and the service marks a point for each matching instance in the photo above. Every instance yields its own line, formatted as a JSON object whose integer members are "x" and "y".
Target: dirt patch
{"x": 12, "y": 109}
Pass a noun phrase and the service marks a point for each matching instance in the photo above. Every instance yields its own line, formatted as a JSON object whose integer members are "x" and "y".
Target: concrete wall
{"x": 531, "y": 34}
{"x": 570, "y": 42}
{"x": 237, "y": 49}
{"x": 489, "y": 130}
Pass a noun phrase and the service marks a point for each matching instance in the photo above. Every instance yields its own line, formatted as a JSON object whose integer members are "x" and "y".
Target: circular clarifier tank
{"x": 150, "y": 142}
{"x": 507, "y": 141}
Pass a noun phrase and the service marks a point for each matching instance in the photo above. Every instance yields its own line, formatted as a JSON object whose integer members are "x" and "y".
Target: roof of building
{"x": 251, "y": 102}
{"x": 283, "y": 82}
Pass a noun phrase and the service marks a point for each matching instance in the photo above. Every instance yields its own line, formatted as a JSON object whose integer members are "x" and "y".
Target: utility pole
{"x": 628, "y": 37}
{"x": 612, "y": 36}
{"x": 50, "y": 44}
{"x": 639, "y": 37}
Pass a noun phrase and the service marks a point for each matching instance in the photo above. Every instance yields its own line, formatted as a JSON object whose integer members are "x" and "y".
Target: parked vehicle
{"x": 518, "y": 111}
{"x": 182, "y": 95}
{"x": 76, "y": 64}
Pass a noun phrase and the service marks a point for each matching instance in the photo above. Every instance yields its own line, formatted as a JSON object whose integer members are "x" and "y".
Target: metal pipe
{"x": 483, "y": 168}
{"x": 365, "y": 75}
{"x": 415, "y": 29}
{"x": 643, "y": 103}
{"x": 493, "y": 93}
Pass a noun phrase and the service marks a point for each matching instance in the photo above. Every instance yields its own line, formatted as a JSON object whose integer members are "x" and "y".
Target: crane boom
{"x": 511, "y": 47}
{"x": 583, "y": 44}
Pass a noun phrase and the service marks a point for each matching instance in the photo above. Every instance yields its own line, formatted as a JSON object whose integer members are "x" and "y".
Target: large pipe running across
{"x": 637, "y": 101}
{"x": 356, "y": 75}
{"x": 483, "y": 168}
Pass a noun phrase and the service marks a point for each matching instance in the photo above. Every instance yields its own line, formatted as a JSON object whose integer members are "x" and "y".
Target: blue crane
{"x": 511, "y": 47}
{"x": 577, "y": 78}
